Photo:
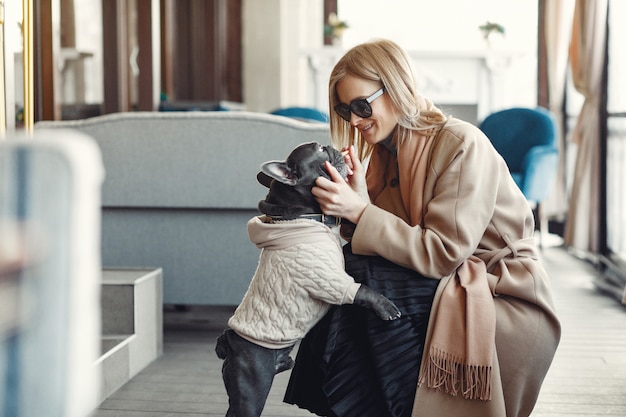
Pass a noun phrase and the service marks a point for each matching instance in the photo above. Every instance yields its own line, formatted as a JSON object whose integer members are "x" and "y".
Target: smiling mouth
{"x": 366, "y": 128}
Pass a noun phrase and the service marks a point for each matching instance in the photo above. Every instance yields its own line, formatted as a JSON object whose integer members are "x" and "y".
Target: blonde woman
{"x": 437, "y": 199}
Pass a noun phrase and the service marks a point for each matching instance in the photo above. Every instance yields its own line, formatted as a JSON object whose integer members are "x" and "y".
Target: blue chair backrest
{"x": 514, "y": 131}
{"x": 302, "y": 113}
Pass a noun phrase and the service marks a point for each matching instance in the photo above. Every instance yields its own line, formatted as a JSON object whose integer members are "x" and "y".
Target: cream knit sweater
{"x": 300, "y": 273}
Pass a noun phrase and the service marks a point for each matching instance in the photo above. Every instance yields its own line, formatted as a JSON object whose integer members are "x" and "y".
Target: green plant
{"x": 334, "y": 27}
{"x": 490, "y": 27}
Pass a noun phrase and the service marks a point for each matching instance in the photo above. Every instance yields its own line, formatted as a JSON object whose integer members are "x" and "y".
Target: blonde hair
{"x": 385, "y": 62}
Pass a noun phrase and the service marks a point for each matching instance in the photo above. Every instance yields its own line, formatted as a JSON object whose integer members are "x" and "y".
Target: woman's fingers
{"x": 328, "y": 192}
{"x": 334, "y": 174}
{"x": 355, "y": 162}
{"x": 356, "y": 179}
{"x": 336, "y": 197}
{"x": 351, "y": 159}
{"x": 323, "y": 187}
{"x": 347, "y": 159}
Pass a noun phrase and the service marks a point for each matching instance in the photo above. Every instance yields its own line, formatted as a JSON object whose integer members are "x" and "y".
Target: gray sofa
{"x": 179, "y": 190}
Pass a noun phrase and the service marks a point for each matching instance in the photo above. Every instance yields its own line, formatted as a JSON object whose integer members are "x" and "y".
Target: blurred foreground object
{"x": 49, "y": 274}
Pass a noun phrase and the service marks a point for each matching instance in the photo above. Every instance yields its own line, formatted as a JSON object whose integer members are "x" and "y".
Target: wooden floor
{"x": 587, "y": 378}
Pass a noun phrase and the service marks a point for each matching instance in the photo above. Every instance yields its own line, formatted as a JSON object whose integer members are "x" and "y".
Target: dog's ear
{"x": 264, "y": 179}
{"x": 279, "y": 171}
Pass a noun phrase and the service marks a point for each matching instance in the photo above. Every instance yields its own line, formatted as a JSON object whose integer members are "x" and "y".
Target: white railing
{"x": 616, "y": 184}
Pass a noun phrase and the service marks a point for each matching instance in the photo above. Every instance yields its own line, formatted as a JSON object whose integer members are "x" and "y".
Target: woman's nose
{"x": 354, "y": 119}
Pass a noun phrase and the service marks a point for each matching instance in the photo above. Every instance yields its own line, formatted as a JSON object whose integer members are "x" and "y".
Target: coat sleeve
{"x": 463, "y": 181}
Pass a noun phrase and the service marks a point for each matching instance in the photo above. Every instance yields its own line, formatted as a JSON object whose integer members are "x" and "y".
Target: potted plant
{"x": 334, "y": 28}
{"x": 491, "y": 31}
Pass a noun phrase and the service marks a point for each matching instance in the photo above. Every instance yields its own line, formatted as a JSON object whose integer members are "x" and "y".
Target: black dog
{"x": 290, "y": 182}
{"x": 300, "y": 274}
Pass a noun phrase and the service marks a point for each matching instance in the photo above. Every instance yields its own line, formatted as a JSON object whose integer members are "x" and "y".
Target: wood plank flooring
{"x": 587, "y": 378}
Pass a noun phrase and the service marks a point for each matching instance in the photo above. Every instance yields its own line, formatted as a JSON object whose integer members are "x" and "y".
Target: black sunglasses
{"x": 361, "y": 107}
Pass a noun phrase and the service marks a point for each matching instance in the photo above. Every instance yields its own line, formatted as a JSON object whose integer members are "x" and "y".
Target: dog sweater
{"x": 300, "y": 273}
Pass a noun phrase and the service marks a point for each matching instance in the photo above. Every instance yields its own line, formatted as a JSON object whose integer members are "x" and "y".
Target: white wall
{"x": 13, "y": 71}
{"x": 452, "y": 26}
{"x": 441, "y": 25}
{"x": 275, "y": 34}
{"x": 278, "y": 32}
{"x": 88, "y": 21}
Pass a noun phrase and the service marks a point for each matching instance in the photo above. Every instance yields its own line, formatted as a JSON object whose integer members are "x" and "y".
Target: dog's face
{"x": 304, "y": 164}
{"x": 290, "y": 181}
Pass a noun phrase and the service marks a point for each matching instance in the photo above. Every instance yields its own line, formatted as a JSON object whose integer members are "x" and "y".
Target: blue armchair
{"x": 307, "y": 114}
{"x": 526, "y": 139}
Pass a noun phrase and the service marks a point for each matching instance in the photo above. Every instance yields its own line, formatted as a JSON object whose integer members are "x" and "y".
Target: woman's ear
{"x": 279, "y": 171}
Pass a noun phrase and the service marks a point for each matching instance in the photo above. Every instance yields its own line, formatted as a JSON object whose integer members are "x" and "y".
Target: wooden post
{"x": 27, "y": 32}
{"x": 3, "y": 103}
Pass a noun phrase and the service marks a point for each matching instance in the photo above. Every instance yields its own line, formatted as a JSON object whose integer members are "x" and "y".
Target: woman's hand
{"x": 340, "y": 198}
{"x": 356, "y": 178}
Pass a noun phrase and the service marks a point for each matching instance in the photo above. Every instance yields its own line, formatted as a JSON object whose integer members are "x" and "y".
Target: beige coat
{"x": 457, "y": 199}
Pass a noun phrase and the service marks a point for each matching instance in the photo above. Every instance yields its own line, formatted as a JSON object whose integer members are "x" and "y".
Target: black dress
{"x": 352, "y": 363}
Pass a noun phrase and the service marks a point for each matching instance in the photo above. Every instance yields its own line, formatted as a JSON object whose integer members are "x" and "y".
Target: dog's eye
{"x": 296, "y": 171}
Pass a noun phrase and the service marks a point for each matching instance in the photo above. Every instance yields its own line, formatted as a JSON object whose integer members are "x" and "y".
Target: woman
{"x": 437, "y": 198}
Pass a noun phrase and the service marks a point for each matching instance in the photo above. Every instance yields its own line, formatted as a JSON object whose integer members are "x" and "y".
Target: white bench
{"x": 132, "y": 325}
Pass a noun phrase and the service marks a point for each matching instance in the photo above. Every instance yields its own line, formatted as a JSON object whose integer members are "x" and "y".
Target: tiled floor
{"x": 587, "y": 378}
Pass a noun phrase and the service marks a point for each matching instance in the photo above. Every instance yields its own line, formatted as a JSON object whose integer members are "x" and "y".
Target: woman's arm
{"x": 462, "y": 184}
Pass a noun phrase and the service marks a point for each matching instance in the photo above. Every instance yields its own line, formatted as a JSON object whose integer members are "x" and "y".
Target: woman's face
{"x": 381, "y": 123}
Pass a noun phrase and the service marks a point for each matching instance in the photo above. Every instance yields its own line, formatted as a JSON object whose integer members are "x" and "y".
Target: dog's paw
{"x": 284, "y": 365}
{"x": 381, "y": 305}
{"x": 387, "y": 310}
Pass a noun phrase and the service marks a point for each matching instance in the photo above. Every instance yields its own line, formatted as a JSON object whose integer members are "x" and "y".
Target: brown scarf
{"x": 460, "y": 358}
{"x": 463, "y": 334}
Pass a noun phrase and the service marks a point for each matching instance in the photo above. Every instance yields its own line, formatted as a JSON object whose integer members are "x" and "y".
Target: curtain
{"x": 587, "y": 61}
{"x": 558, "y": 26}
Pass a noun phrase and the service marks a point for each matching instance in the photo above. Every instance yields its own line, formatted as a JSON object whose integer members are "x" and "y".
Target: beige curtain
{"x": 558, "y": 27}
{"x": 587, "y": 61}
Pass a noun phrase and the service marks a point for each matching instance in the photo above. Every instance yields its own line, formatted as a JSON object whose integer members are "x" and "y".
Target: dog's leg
{"x": 284, "y": 362}
{"x": 381, "y": 305}
{"x": 248, "y": 371}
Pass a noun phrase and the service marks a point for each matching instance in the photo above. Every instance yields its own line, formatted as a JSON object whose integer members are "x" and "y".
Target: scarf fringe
{"x": 448, "y": 373}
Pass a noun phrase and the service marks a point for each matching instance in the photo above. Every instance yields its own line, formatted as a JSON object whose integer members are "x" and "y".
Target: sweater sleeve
{"x": 465, "y": 172}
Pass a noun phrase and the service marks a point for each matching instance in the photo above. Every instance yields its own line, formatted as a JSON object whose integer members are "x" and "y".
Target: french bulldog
{"x": 290, "y": 181}
{"x": 299, "y": 276}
